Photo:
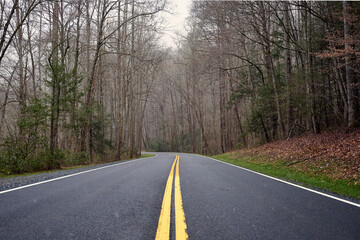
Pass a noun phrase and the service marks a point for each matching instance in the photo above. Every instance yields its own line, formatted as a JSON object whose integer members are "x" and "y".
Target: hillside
{"x": 335, "y": 154}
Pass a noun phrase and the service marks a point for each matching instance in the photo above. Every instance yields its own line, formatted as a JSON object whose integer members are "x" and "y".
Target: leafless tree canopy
{"x": 250, "y": 72}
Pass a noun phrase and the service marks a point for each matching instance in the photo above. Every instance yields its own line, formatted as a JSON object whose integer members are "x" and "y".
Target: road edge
{"x": 73, "y": 174}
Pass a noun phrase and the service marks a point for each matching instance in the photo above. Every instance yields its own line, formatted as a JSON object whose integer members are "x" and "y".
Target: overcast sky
{"x": 175, "y": 22}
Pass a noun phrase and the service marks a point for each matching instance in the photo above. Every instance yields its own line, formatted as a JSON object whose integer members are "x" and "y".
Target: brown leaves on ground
{"x": 335, "y": 154}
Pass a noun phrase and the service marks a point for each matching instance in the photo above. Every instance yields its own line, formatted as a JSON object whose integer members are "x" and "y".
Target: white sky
{"x": 175, "y": 22}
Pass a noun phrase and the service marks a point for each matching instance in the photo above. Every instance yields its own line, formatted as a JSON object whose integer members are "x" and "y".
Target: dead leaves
{"x": 335, "y": 154}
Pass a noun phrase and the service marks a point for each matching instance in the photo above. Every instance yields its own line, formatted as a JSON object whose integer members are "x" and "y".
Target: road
{"x": 219, "y": 201}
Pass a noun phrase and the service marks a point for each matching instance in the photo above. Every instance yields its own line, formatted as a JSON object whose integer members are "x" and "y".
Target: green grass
{"x": 280, "y": 170}
{"x": 2, "y": 175}
{"x": 147, "y": 155}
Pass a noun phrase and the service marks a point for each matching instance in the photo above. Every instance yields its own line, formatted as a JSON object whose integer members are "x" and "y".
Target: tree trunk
{"x": 350, "y": 66}
{"x": 289, "y": 114}
{"x": 54, "y": 62}
{"x": 123, "y": 81}
{"x": 22, "y": 80}
{"x": 131, "y": 86}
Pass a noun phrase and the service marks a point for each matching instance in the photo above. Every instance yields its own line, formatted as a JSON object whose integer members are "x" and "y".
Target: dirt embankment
{"x": 333, "y": 153}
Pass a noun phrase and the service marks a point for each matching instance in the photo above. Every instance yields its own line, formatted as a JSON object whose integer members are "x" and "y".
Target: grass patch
{"x": 2, "y": 175}
{"x": 281, "y": 170}
{"x": 147, "y": 155}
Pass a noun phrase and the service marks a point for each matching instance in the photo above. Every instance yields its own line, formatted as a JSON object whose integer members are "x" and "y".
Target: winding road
{"x": 173, "y": 196}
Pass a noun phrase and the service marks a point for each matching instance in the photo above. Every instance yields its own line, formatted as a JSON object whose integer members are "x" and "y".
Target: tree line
{"x": 75, "y": 80}
{"x": 87, "y": 81}
{"x": 251, "y": 72}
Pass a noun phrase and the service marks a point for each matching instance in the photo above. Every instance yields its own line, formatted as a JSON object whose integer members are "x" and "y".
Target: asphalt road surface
{"x": 219, "y": 201}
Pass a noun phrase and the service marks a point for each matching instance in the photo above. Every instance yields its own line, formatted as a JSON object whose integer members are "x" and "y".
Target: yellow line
{"x": 180, "y": 223}
{"x": 163, "y": 230}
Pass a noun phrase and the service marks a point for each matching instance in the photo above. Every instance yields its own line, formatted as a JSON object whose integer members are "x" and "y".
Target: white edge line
{"x": 289, "y": 183}
{"x": 71, "y": 175}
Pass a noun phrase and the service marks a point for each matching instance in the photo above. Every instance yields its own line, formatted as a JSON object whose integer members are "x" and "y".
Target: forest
{"x": 86, "y": 81}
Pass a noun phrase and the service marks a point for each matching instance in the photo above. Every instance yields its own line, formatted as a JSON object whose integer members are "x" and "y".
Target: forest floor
{"x": 330, "y": 160}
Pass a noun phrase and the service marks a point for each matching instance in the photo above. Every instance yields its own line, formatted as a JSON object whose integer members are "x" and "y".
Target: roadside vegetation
{"x": 330, "y": 160}
{"x": 146, "y": 155}
{"x": 64, "y": 99}
{"x": 73, "y": 165}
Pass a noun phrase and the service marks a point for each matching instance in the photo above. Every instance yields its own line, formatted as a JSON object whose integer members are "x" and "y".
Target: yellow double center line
{"x": 163, "y": 230}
